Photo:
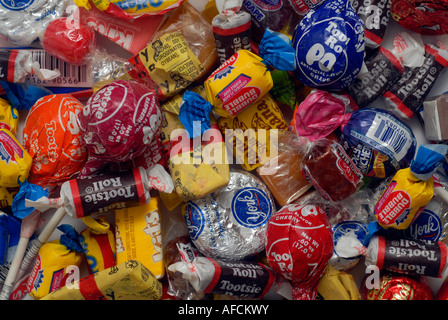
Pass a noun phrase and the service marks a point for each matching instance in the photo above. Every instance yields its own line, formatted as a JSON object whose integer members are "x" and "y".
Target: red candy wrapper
{"x": 52, "y": 138}
{"x": 299, "y": 244}
{"x": 394, "y": 286}
{"x": 119, "y": 123}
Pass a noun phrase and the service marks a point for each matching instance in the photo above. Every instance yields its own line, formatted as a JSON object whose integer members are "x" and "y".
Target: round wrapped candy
{"x": 393, "y": 286}
{"x": 231, "y": 223}
{"x": 329, "y": 44}
{"x": 22, "y": 22}
{"x": 52, "y": 138}
{"x": 118, "y": 123}
{"x": 299, "y": 245}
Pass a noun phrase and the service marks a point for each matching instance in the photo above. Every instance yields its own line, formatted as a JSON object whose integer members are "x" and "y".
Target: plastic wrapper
{"x": 139, "y": 236}
{"x": 435, "y": 117}
{"x": 118, "y": 123}
{"x": 52, "y": 138}
{"x": 197, "y": 166}
{"x": 250, "y": 134}
{"x": 406, "y": 96}
{"x": 282, "y": 174}
{"x": 105, "y": 192}
{"x": 98, "y": 242}
{"x": 298, "y": 246}
{"x": 231, "y": 223}
{"x": 232, "y": 278}
{"x": 337, "y": 285}
{"x": 330, "y": 170}
{"x": 329, "y": 45}
{"x": 131, "y": 9}
{"x": 375, "y": 15}
{"x": 231, "y": 34}
{"x": 16, "y": 65}
{"x": 410, "y": 190}
{"x": 50, "y": 268}
{"x": 130, "y": 280}
{"x": 428, "y": 18}
{"x": 378, "y": 142}
{"x": 406, "y": 256}
{"x": 9, "y": 117}
{"x": 242, "y": 80}
{"x": 22, "y": 22}
{"x": 15, "y": 163}
{"x": 393, "y": 286}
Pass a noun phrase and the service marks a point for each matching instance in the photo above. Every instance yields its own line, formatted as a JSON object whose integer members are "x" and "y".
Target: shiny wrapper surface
{"x": 231, "y": 223}
{"x": 21, "y": 22}
{"x": 393, "y": 286}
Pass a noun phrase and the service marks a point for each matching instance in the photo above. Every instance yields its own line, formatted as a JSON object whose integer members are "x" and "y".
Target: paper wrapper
{"x": 337, "y": 285}
{"x": 129, "y": 280}
{"x": 139, "y": 236}
{"x": 193, "y": 176}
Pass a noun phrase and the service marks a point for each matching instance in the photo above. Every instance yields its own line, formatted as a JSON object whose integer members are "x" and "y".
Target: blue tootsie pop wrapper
{"x": 329, "y": 45}
{"x": 378, "y": 142}
{"x": 427, "y": 160}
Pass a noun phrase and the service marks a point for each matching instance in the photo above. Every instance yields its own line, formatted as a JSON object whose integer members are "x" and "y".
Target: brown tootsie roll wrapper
{"x": 129, "y": 280}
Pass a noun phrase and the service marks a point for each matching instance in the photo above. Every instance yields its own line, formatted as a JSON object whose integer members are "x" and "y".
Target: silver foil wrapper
{"x": 22, "y": 22}
{"x": 231, "y": 223}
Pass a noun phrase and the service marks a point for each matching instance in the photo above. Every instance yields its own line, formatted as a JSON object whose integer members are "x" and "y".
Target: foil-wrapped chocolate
{"x": 231, "y": 223}
{"x": 22, "y": 22}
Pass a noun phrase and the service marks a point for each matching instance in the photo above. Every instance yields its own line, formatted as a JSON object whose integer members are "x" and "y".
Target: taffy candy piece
{"x": 69, "y": 41}
{"x": 299, "y": 244}
{"x": 329, "y": 45}
{"x": 52, "y": 137}
{"x": 378, "y": 142}
{"x": 410, "y": 189}
{"x": 118, "y": 123}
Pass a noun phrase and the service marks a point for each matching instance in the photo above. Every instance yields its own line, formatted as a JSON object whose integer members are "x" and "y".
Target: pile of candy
{"x": 256, "y": 149}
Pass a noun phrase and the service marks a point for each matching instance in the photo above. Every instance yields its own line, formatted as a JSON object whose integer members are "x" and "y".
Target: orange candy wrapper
{"x": 52, "y": 138}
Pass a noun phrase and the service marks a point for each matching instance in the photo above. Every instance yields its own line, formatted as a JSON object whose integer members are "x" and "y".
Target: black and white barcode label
{"x": 71, "y": 75}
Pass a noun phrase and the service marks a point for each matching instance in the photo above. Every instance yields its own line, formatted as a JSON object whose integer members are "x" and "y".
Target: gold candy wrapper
{"x": 9, "y": 117}
{"x": 50, "y": 269}
{"x": 197, "y": 170}
{"x": 129, "y": 280}
{"x": 240, "y": 81}
{"x": 337, "y": 285}
{"x": 252, "y": 147}
{"x": 139, "y": 236}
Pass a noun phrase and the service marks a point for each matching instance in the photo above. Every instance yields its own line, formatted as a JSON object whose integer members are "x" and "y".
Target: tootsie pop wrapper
{"x": 105, "y": 192}
{"x": 236, "y": 278}
{"x": 22, "y": 22}
{"x": 130, "y": 280}
{"x": 411, "y": 189}
{"x": 329, "y": 45}
{"x": 417, "y": 257}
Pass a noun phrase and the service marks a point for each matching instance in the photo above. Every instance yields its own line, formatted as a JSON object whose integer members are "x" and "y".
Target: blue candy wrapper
{"x": 22, "y": 96}
{"x": 329, "y": 45}
{"x": 28, "y": 191}
{"x": 4, "y": 235}
{"x": 378, "y": 142}
{"x": 194, "y": 113}
{"x": 70, "y": 238}
{"x": 427, "y": 160}
{"x": 276, "y": 50}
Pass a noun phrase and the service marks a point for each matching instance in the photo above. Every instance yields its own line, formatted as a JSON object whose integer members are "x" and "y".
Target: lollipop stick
{"x": 41, "y": 239}
{"x": 14, "y": 268}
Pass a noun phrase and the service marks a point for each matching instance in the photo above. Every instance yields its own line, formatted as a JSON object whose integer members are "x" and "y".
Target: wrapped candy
{"x": 231, "y": 223}
{"x": 298, "y": 246}
{"x": 52, "y": 137}
{"x": 118, "y": 123}
{"x": 410, "y": 190}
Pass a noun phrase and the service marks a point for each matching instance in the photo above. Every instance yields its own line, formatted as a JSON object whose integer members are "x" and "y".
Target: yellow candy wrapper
{"x": 198, "y": 166}
{"x": 410, "y": 189}
{"x": 240, "y": 81}
{"x": 131, "y": 8}
{"x": 129, "y": 280}
{"x": 9, "y": 117}
{"x": 337, "y": 285}
{"x": 50, "y": 269}
{"x": 15, "y": 162}
{"x": 252, "y": 143}
{"x": 98, "y": 242}
{"x": 139, "y": 236}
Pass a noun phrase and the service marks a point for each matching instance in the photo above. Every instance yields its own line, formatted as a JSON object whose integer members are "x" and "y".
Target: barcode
{"x": 393, "y": 137}
{"x": 71, "y": 75}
